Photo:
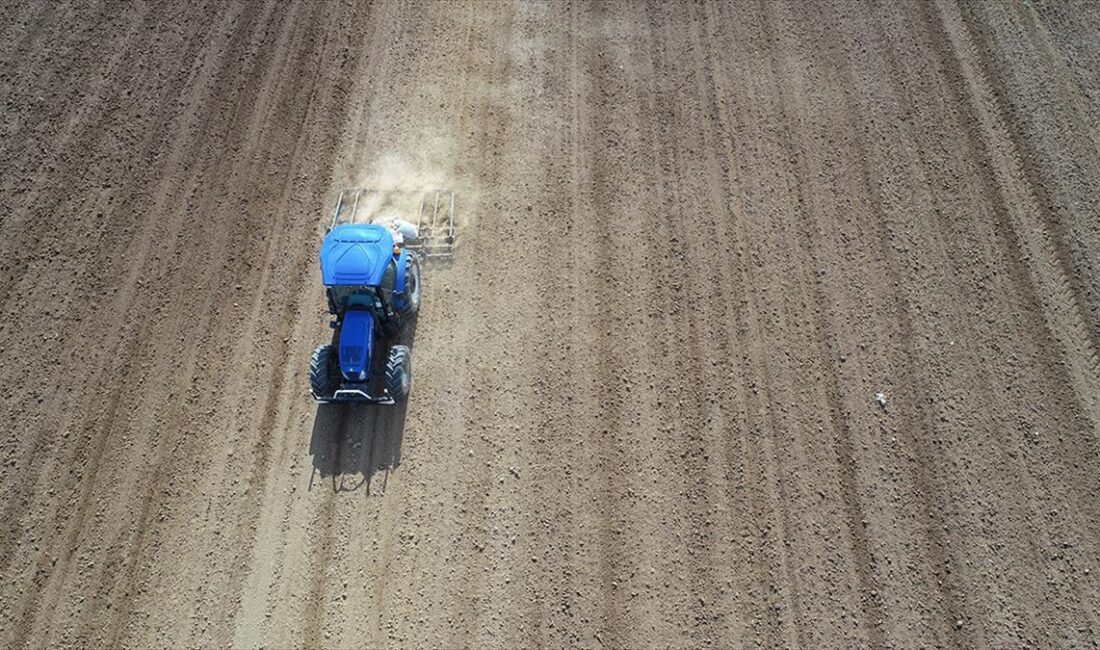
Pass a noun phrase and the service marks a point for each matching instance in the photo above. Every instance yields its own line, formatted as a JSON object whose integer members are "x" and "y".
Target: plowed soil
{"x": 696, "y": 240}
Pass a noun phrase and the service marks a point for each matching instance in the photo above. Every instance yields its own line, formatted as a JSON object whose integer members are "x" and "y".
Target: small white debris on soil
{"x": 881, "y": 399}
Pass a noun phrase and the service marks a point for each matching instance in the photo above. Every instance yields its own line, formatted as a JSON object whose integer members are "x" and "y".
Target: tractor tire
{"x": 411, "y": 304}
{"x": 399, "y": 372}
{"x": 324, "y": 373}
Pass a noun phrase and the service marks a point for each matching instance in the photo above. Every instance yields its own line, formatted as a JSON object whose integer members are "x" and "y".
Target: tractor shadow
{"x": 353, "y": 443}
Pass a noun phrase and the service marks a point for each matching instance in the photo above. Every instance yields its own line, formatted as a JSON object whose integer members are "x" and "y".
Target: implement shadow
{"x": 351, "y": 443}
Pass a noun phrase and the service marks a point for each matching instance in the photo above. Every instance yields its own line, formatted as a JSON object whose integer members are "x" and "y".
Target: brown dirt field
{"x": 697, "y": 239}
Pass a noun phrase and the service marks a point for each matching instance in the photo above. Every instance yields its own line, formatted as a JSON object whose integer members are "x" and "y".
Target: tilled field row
{"x": 765, "y": 328}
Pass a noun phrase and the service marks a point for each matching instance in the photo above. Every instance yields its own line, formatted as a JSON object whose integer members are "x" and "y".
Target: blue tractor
{"x": 371, "y": 271}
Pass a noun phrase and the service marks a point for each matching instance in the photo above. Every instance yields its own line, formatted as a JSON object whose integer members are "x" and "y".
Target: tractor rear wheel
{"x": 411, "y": 304}
{"x": 399, "y": 372}
{"x": 324, "y": 372}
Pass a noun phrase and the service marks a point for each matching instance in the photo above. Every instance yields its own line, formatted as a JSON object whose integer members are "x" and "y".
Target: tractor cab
{"x": 356, "y": 255}
{"x": 364, "y": 271}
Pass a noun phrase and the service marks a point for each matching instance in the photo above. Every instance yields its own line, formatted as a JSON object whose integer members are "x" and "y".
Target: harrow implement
{"x": 435, "y": 215}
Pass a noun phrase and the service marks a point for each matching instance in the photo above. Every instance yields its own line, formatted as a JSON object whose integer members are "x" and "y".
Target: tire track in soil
{"x": 1080, "y": 269}
{"x": 552, "y": 491}
{"x": 575, "y": 380}
{"x": 929, "y": 480}
{"x": 759, "y": 496}
{"x": 677, "y": 195}
{"x": 1029, "y": 251}
{"x": 608, "y": 365}
{"x": 749, "y": 327}
{"x": 190, "y": 446}
{"x": 39, "y": 444}
{"x": 313, "y": 624}
{"x": 692, "y": 229}
{"x": 548, "y": 485}
{"x": 524, "y": 232}
{"x": 907, "y": 381}
{"x": 496, "y": 249}
{"x": 160, "y": 443}
{"x": 1033, "y": 266}
{"x": 636, "y": 214}
{"x": 771, "y": 460}
{"x": 122, "y": 299}
{"x": 726, "y": 198}
{"x": 78, "y": 138}
{"x": 957, "y": 249}
{"x": 1019, "y": 211}
{"x": 868, "y": 585}
{"x": 772, "y": 402}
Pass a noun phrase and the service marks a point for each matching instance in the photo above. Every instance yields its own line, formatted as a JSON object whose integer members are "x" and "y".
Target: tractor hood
{"x": 356, "y": 341}
{"x": 355, "y": 254}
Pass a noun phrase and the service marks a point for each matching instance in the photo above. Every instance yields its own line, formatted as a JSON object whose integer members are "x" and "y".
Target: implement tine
{"x": 420, "y": 215}
{"x": 336, "y": 214}
{"x": 451, "y": 221}
{"x": 355, "y": 205}
{"x": 435, "y": 209}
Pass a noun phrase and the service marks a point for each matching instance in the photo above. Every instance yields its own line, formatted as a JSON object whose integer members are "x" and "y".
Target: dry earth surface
{"x": 696, "y": 240}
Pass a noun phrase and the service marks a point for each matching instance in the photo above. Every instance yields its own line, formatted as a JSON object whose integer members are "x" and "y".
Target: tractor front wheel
{"x": 399, "y": 372}
{"x": 324, "y": 373}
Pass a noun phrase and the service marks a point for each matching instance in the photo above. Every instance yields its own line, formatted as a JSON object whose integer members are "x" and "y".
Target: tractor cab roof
{"x": 355, "y": 254}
